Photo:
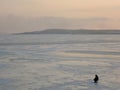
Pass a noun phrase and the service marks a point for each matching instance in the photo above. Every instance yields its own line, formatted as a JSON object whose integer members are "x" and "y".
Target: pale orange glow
{"x": 61, "y": 8}
{"x": 72, "y": 10}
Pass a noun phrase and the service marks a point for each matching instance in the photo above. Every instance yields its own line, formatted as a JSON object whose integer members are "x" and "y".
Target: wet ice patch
{"x": 5, "y": 81}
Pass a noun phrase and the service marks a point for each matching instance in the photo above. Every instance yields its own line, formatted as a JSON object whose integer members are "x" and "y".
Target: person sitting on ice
{"x": 96, "y": 78}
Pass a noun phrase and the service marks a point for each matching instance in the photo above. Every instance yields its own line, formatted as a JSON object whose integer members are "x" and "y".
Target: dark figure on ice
{"x": 96, "y": 78}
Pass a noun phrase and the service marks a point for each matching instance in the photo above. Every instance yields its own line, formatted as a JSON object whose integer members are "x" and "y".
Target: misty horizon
{"x": 17, "y": 24}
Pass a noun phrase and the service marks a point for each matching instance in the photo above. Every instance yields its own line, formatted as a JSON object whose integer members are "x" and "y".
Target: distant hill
{"x": 65, "y": 31}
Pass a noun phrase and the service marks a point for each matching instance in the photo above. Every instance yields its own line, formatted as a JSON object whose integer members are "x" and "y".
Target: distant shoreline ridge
{"x": 73, "y": 31}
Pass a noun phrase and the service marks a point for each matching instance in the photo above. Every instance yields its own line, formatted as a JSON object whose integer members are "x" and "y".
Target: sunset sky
{"x": 81, "y": 9}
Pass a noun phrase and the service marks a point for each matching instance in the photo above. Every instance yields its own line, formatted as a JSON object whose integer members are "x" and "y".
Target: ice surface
{"x": 59, "y": 62}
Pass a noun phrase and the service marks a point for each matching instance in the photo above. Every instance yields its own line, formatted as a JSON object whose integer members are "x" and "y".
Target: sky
{"x": 70, "y": 9}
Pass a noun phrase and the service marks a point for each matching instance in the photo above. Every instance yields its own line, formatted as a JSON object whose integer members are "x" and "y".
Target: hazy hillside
{"x": 65, "y": 31}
